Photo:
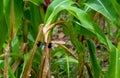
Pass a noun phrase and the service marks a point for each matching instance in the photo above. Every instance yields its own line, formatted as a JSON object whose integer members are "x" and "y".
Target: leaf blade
{"x": 95, "y": 66}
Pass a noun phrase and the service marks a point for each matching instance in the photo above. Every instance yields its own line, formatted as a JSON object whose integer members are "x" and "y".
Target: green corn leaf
{"x": 104, "y": 7}
{"x": 54, "y": 8}
{"x": 114, "y": 67}
{"x": 84, "y": 31}
{"x": 3, "y": 31}
{"x": 35, "y": 19}
{"x": 3, "y": 26}
{"x": 18, "y": 9}
{"x": 95, "y": 66}
{"x": 7, "y": 5}
{"x": 82, "y": 16}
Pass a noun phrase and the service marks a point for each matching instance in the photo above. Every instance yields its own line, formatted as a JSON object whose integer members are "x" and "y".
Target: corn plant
{"x": 27, "y": 49}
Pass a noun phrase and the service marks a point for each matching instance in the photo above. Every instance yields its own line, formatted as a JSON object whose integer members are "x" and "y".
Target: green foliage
{"x": 103, "y": 8}
{"x": 3, "y": 31}
{"x": 17, "y": 4}
{"x": 3, "y": 26}
{"x": 95, "y": 66}
{"x": 114, "y": 62}
{"x": 28, "y": 27}
{"x": 54, "y": 8}
{"x": 35, "y": 19}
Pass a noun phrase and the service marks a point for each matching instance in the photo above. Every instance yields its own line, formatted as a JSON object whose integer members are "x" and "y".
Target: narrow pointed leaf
{"x": 114, "y": 67}
{"x": 95, "y": 66}
{"x": 36, "y": 19}
{"x": 18, "y": 9}
{"x": 7, "y": 8}
{"x": 3, "y": 26}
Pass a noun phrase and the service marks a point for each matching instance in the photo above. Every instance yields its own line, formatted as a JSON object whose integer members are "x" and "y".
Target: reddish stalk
{"x": 47, "y": 2}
